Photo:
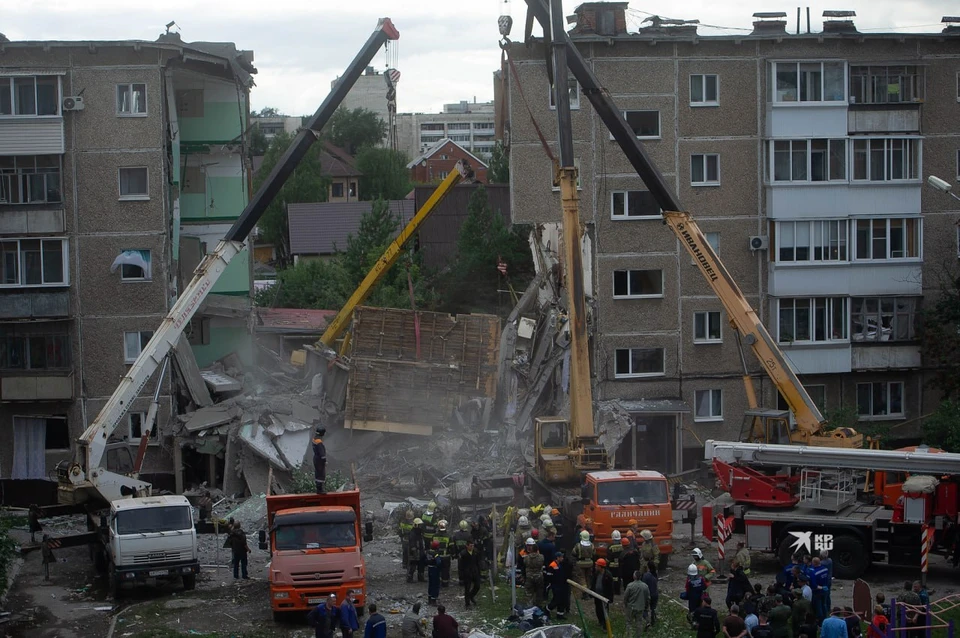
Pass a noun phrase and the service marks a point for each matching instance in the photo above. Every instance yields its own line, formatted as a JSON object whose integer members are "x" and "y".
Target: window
{"x": 884, "y": 318}
{"x": 713, "y": 238}
{"x": 33, "y": 262}
{"x": 880, "y": 399}
{"x": 645, "y": 124}
{"x": 886, "y": 84}
{"x": 34, "y": 347}
{"x": 576, "y": 165}
{"x": 57, "y": 433}
{"x": 133, "y": 183}
{"x": 131, "y": 99}
{"x": 134, "y": 343}
{"x": 817, "y": 393}
{"x": 30, "y": 179}
{"x": 481, "y": 126}
{"x": 639, "y": 362}
{"x": 633, "y": 284}
{"x": 891, "y": 238}
{"x": 706, "y": 327}
{"x": 134, "y": 265}
{"x": 809, "y": 160}
{"x": 573, "y": 87}
{"x": 458, "y": 126}
{"x": 809, "y": 82}
{"x": 889, "y": 159}
{"x": 135, "y": 422}
{"x": 812, "y": 320}
{"x": 705, "y": 169}
{"x": 819, "y": 240}
{"x": 633, "y": 205}
{"x": 443, "y": 174}
{"x": 336, "y": 189}
{"x": 30, "y": 95}
{"x": 704, "y": 90}
{"x": 708, "y": 405}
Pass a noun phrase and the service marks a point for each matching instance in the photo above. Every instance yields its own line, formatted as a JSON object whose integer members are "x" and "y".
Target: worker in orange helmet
{"x": 601, "y": 582}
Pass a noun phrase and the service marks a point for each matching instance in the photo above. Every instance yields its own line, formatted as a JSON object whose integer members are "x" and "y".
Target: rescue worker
{"x": 558, "y": 571}
{"x": 635, "y": 528}
{"x": 460, "y": 539}
{"x": 484, "y": 544}
{"x": 429, "y": 522}
{"x": 704, "y": 567}
{"x": 533, "y": 574}
{"x": 649, "y": 550}
{"x": 743, "y": 557}
{"x": 523, "y": 531}
{"x": 583, "y": 555}
{"x": 614, "y": 552}
{"x": 434, "y": 561}
{"x": 601, "y": 582}
{"x": 319, "y": 459}
{"x": 548, "y": 546}
{"x": 442, "y": 537}
{"x": 403, "y": 529}
{"x": 417, "y": 558}
{"x": 693, "y": 590}
{"x": 470, "y": 573}
{"x": 629, "y": 562}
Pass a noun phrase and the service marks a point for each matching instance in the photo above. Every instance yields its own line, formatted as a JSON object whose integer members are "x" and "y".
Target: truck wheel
{"x": 189, "y": 582}
{"x": 850, "y": 557}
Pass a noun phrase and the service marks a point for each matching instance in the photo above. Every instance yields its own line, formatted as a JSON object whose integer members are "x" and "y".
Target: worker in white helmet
{"x": 614, "y": 552}
{"x": 583, "y": 553}
{"x": 707, "y": 572}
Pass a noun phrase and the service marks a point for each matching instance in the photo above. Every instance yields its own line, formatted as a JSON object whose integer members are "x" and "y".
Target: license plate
{"x": 314, "y": 601}
{"x": 159, "y": 572}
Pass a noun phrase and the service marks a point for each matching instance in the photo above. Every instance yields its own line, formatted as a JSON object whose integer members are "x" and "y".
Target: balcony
{"x": 35, "y": 305}
{"x": 885, "y": 356}
{"x": 881, "y": 119}
{"x": 26, "y": 387}
{"x": 846, "y": 278}
{"x": 827, "y": 358}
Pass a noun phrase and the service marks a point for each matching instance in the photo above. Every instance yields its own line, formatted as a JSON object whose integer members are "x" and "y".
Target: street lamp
{"x": 941, "y": 185}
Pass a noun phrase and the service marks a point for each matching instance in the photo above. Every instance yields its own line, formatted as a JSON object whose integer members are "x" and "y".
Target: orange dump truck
{"x": 315, "y": 543}
{"x": 614, "y": 498}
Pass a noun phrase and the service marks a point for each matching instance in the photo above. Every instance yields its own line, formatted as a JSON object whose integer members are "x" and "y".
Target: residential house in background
{"x": 434, "y": 164}
{"x": 470, "y": 124}
{"x": 339, "y": 166}
{"x": 438, "y": 235}
{"x": 803, "y": 158}
{"x": 112, "y": 154}
{"x": 319, "y": 230}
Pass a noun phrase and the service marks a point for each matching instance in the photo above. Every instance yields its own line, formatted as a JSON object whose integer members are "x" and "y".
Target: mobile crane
{"x": 763, "y": 425}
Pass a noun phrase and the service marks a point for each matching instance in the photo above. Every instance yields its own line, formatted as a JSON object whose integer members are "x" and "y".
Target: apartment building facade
{"x": 803, "y": 158}
{"x": 120, "y": 164}
{"x": 469, "y": 124}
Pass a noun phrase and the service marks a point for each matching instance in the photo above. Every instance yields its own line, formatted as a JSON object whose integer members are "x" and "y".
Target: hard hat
{"x": 523, "y": 511}
{"x": 435, "y": 545}
{"x": 534, "y": 533}
{"x": 584, "y": 535}
{"x": 418, "y": 521}
{"x": 601, "y": 562}
{"x": 632, "y": 522}
{"x": 464, "y": 525}
{"x": 697, "y": 553}
{"x": 442, "y": 526}
{"x": 630, "y": 533}
{"x": 692, "y": 570}
{"x": 523, "y": 521}
{"x": 545, "y": 516}
{"x": 409, "y": 515}
{"x": 530, "y": 541}
{"x": 321, "y": 431}
{"x": 647, "y": 534}
{"x": 548, "y": 522}
{"x": 625, "y": 542}
{"x": 615, "y": 535}
{"x": 432, "y": 505}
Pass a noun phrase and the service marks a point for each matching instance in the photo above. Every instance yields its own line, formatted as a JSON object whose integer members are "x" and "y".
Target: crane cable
{"x": 392, "y": 76}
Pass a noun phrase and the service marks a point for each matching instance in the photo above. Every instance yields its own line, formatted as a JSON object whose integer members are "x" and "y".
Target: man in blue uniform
{"x": 319, "y": 459}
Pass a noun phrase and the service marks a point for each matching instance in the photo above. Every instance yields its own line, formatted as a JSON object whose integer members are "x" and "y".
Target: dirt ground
{"x": 74, "y": 603}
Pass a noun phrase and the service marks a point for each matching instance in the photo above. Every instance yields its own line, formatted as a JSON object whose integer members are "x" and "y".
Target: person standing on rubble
{"x": 403, "y": 529}
{"x": 533, "y": 574}
{"x": 583, "y": 554}
{"x": 442, "y": 537}
{"x": 429, "y": 519}
{"x": 460, "y": 540}
{"x": 319, "y": 459}
{"x": 558, "y": 588}
{"x": 470, "y": 573}
{"x": 418, "y": 551}
{"x": 239, "y": 549}
{"x": 614, "y": 553}
{"x": 434, "y": 561}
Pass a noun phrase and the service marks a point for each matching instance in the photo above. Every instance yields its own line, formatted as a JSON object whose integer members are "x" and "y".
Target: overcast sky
{"x": 447, "y": 49}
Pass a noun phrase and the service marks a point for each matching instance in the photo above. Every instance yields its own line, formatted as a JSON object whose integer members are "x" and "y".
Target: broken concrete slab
{"x": 190, "y": 372}
{"x": 304, "y": 413}
{"x": 219, "y": 383}
{"x": 292, "y": 445}
{"x": 210, "y": 417}
{"x": 258, "y": 442}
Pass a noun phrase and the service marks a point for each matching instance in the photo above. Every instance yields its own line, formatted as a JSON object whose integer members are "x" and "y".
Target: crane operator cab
{"x": 561, "y": 458}
{"x": 763, "y": 425}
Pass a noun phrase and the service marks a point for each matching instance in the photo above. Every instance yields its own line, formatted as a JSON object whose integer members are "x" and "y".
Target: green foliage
{"x": 303, "y": 481}
{"x": 498, "y": 170}
{"x": 376, "y": 230}
{"x": 311, "y": 283}
{"x": 355, "y": 129}
{"x": 385, "y": 174}
{"x": 258, "y": 142}
{"x": 842, "y": 417}
{"x": 8, "y": 548}
{"x": 942, "y": 428}
{"x": 268, "y": 111}
{"x": 306, "y": 184}
{"x": 940, "y": 335}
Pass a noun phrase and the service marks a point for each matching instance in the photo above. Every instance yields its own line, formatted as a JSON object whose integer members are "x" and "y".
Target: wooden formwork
{"x": 392, "y": 389}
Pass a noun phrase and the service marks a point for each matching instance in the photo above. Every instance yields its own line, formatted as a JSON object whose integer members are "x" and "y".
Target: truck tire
{"x": 850, "y": 557}
{"x": 189, "y": 582}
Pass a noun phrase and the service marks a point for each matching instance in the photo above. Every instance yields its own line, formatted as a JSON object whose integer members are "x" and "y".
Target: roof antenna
{"x": 172, "y": 24}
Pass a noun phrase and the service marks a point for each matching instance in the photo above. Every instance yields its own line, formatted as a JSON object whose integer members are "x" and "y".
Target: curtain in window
{"x": 29, "y": 445}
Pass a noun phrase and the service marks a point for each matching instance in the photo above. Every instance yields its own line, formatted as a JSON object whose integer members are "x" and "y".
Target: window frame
{"x": 133, "y": 197}
{"x": 574, "y": 96}
{"x": 812, "y": 309}
{"x": 659, "y": 134}
{"x": 129, "y": 86}
{"x": 712, "y": 417}
{"x": 868, "y": 74}
{"x": 143, "y": 344}
{"x": 20, "y": 177}
{"x": 808, "y": 152}
{"x": 65, "y": 262}
{"x": 888, "y": 415}
{"x": 639, "y": 375}
{"x": 813, "y": 225}
{"x": 333, "y": 192}
{"x": 146, "y": 276}
{"x": 636, "y": 296}
{"x": 703, "y": 88}
{"x": 775, "y": 91}
{"x": 916, "y": 147}
{"x": 871, "y": 221}
{"x": 626, "y": 206}
{"x": 10, "y": 86}
{"x": 135, "y": 440}
{"x": 704, "y": 159}
{"x": 8, "y": 344}
{"x": 576, "y": 165}
{"x": 864, "y": 316}
{"x": 708, "y": 339}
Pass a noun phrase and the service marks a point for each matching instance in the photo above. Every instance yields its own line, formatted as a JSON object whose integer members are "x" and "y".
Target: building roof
{"x": 337, "y": 162}
{"x": 293, "y": 320}
{"x": 440, "y": 144}
{"x": 322, "y": 228}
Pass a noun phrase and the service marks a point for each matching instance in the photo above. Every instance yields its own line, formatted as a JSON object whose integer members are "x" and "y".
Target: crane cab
{"x": 763, "y": 425}
{"x": 562, "y": 459}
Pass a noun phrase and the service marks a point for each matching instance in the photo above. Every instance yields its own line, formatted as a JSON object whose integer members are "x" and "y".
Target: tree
{"x": 355, "y": 129}
{"x": 306, "y": 184}
{"x": 940, "y": 335}
{"x": 498, "y": 171}
{"x": 258, "y": 142}
{"x": 268, "y": 111}
{"x": 940, "y": 429}
{"x": 385, "y": 174}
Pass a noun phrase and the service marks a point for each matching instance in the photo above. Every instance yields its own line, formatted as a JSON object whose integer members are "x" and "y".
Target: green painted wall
{"x": 221, "y": 122}
{"x": 223, "y": 341}
{"x": 228, "y": 194}
{"x": 236, "y": 278}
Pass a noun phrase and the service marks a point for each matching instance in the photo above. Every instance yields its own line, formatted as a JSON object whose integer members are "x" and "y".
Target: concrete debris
{"x": 257, "y": 441}
{"x": 613, "y": 424}
{"x": 209, "y": 417}
{"x": 220, "y": 383}
{"x": 190, "y": 373}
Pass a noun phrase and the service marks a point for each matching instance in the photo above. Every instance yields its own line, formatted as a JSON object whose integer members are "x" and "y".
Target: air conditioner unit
{"x": 73, "y": 103}
{"x": 759, "y": 242}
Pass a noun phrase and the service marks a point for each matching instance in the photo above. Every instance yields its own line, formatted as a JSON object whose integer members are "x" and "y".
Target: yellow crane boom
{"x": 392, "y": 253}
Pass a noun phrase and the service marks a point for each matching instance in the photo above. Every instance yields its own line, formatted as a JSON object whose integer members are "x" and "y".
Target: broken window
{"x": 134, "y": 265}
{"x": 639, "y": 362}
{"x": 645, "y": 124}
{"x": 133, "y": 182}
{"x": 633, "y": 205}
{"x": 30, "y": 179}
{"x": 34, "y": 347}
{"x": 131, "y": 99}
{"x": 573, "y": 89}
{"x": 135, "y": 421}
